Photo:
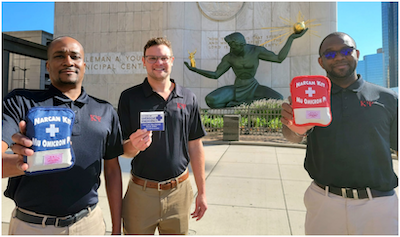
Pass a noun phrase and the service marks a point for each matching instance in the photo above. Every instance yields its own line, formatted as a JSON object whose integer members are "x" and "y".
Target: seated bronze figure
{"x": 244, "y": 60}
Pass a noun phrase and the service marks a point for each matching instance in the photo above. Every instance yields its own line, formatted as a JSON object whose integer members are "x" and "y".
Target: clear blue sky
{"x": 21, "y": 16}
{"x": 361, "y": 20}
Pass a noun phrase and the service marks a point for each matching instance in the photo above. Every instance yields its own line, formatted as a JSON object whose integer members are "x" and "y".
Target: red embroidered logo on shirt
{"x": 95, "y": 118}
{"x": 181, "y": 106}
{"x": 365, "y": 103}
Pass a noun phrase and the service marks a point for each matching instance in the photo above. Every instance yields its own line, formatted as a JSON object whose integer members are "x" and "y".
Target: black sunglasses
{"x": 332, "y": 54}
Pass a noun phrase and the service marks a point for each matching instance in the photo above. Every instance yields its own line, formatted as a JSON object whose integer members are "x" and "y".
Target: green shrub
{"x": 214, "y": 121}
{"x": 262, "y": 104}
{"x": 275, "y": 123}
{"x": 259, "y": 114}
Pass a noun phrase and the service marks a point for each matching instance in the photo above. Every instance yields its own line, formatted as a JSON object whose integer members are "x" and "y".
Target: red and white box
{"x": 311, "y": 100}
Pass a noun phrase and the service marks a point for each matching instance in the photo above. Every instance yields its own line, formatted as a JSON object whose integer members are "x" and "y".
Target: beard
{"x": 63, "y": 80}
{"x": 333, "y": 74}
{"x": 71, "y": 78}
{"x": 342, "y": 73}
{"x": 67, "y": 82}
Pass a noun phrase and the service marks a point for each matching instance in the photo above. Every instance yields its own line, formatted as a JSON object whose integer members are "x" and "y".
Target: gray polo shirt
{"x": 96, "y": 135}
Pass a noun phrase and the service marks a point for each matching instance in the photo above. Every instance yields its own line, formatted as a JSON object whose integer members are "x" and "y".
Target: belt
{"x": 56, "y": 221}
{"x": 355, "y": 193}
{"x": 164, "y": 185}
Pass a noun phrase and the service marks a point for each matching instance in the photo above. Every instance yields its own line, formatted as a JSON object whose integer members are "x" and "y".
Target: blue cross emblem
{"x": 159, "y": 117}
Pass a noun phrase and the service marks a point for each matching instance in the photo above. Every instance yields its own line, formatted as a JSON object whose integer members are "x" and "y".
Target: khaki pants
{"x": 144, "y": 209}
{"x": 328, "y": 213}
{"x": 92, "y": 224}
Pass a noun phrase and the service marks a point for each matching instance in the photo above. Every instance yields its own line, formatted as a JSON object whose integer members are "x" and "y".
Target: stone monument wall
{"x": 114, "y": 34}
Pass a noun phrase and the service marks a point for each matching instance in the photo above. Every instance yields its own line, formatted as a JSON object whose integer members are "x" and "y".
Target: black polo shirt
{"x": 354, "y": 150}
{"x": 167, "y": 156}
{"x": 96, "y": 135}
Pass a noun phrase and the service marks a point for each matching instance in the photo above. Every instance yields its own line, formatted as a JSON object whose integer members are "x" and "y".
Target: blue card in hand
{"x": 152, "y": 121}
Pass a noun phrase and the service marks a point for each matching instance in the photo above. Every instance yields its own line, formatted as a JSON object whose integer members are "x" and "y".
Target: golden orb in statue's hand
{"x": 299, "y": 27}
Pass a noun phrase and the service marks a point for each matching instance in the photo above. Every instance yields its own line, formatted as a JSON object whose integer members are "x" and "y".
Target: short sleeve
{"x": 196, "y": 128}
{"x": 114, "y": 146}
{"x": 12, "y": 115}
{"x": 123, "y": 113}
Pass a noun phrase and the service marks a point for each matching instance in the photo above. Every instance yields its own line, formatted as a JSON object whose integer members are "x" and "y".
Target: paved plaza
{"x": 252, "y": 189}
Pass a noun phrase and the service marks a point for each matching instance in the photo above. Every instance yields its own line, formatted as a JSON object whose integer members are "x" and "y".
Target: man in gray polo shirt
{"x": 350, "y": 160}
{"x": 63, "y": 202}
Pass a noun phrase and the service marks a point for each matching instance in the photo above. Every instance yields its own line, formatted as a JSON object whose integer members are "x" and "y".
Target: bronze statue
{"x": 244, "y": 60}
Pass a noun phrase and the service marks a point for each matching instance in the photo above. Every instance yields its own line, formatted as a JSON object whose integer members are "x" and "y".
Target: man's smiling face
{"x": 160, "y": 69}
{"x": 65, "y": 62}
{"x": 340, "y": 67}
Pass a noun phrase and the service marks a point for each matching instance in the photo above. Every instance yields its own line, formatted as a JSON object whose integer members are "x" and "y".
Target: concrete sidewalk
{"x": 252, "y": 189}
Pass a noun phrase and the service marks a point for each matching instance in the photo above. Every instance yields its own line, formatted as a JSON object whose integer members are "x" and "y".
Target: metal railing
{"x": 252, "y": 121}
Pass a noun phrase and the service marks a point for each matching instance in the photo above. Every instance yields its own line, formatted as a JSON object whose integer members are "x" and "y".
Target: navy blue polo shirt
{"x": 96, "y": 135}
{"x": 354, "y": 150}
{"x": 167, "y": 156}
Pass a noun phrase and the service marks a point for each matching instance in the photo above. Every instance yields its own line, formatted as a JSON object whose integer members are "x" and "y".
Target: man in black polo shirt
{"x": 350, "y": 160}
{"x": 159, "y": 194}
{"x": 63, "y": 202}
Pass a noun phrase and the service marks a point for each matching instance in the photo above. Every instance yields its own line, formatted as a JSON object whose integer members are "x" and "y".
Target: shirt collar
{"x": 355, "y": 87}
{"x": 148, "y": 91}
{"x": 178, "y": 89}
{"x": 60, "y": 98}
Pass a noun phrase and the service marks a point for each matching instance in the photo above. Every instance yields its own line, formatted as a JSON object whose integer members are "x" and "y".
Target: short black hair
{"x": 339, "y": 34}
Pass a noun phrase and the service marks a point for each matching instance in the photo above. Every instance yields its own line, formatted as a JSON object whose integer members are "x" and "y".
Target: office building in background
{"x": 390, "y": 42}
{"x": 371, "y": 68}
{"x": 26, "y": 72}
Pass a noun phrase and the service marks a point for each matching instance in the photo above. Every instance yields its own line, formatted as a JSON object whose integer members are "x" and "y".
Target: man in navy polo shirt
{"x": 350, "y": 160}
{"x": 63, "y": 202}
{"x": 159, "y": 194}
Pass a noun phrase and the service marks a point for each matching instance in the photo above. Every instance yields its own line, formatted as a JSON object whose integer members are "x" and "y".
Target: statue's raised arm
{"x": 221, "y": 69}
{"x": 267, "y": 55}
